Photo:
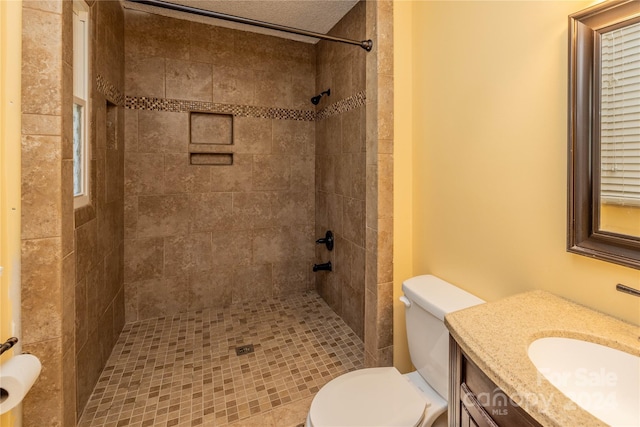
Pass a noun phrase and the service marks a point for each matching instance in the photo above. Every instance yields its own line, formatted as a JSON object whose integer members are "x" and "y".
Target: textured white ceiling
{"x": 312, "y": 15}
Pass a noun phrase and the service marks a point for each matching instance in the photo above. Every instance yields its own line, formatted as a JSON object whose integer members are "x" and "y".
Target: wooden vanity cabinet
{"x": 475, "y": 400}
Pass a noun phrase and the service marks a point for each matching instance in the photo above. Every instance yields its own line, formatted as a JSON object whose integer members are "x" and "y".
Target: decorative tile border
{"x": 178, "y": 106}
{"x": 342, "y": 106}
{"x": 109, "y": 91}
{"x": 183, "y": 106}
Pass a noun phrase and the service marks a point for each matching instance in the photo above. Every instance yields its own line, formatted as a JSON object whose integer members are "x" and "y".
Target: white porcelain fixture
{"x": 382, "y": 396}
{"x": 602, "y": 380}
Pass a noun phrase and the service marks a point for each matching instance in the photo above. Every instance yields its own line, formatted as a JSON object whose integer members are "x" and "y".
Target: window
{"x": 620, "y": 116}
{"x": 80, "y": 103}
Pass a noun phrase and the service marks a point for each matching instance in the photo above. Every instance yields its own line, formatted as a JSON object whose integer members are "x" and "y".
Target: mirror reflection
{"x": 620, "y": 131}
{"x": 603, "y": 220}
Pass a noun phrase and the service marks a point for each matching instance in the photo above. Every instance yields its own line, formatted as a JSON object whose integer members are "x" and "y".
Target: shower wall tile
{"x": 236, "y": 178}
{"x": 353, "y": 308}
{"x": 252, "y": 135}
{"x": 293, "y": 137}
{"x": 69, "y": 385}
{"x": 385, "y": 250}
{"x": 300, "y": 84}
{"x": 385, "y": 105}
{"x": 152, "y": 298}
{"x": 341, "y": 182}
{"x": 353, "y": 131}
{"x": 46, "y": 5}
{"x": 41, "y": 299}
{"x": 166, "y": 215}
{"x": 88, "y": 366}
{"x": 177, "y": 295}
{"x": 385, "y": 315}
{"x": 145, "y": 76}
{"x": 233, "y": 85}
{"x": 86, "y": 248}
{"x": 130, "y": 302}
{"x": 81, "y": 313}
{"x": 335, "y": 212}
{"x": 41, "y": 186}
{"x": 252, "y": 283}
{"x": 162, "y": 132}
{"x": 291, "y": 208}
{"x": 211, "y": 288}
{"x": 326, "y": 173}
{"x": 354, "y": 221}
{"x": 188, "y": 80}
{"x": 37, "y": 124}
{"x": 41, "y": 62}
{"x": 342, "y": 78}
{"x": 276, "y": 89}
{"x": 143, "y": 259}
{"x": 290, "y": 276}
{"x": 95, "y": 293}
{"x": 140, "y": 173}
{"x": 252, "y": 210}
{"x": 358, "y": 267}
{"x": 130, "y": 131}
{"x": 110, "y": 227}
{"x": 39, "y": 407}
{"x": 242, "y": 223}
{"x": 99, "y": 227}
{"x": 379, "y": 189}
{"x": 67, "y": 226}
{"x": 342, "y": 164}
{"x": 200, "y": 42}
{"x": 231, "y": 248}
{"x": 333, "y": 142}
{"x": 114, "y": 273}
{"x": 221, "y": 44}
{"x": 187, "y": 253}
{"x": 358, "y": 176}
{"x": 281, "y": 244}
{"x": 130, "y": 217}
{"x": 302, "y": 173}
{"x": 271, "y": 172}
{"x": 211, "y": 211}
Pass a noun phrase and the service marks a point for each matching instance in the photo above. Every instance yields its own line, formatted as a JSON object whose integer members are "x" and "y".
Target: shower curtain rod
{"x": 365, "y": 44}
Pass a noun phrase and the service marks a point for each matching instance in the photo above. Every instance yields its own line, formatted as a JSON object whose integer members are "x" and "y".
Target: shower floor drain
{"x": 244, "y": 349}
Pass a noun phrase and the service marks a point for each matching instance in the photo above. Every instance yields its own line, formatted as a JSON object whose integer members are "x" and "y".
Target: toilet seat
{"x": 368, "y": 398}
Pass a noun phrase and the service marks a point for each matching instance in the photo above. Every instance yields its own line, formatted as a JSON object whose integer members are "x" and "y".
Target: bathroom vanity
{"x": 493, "y": 381}
{"x": 475, "y": 400}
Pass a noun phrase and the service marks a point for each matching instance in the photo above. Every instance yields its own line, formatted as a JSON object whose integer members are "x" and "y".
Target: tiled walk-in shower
{"x": 183, "y": 370}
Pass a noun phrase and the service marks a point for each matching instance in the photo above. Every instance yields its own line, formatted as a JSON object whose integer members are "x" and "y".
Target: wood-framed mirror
{"x": 604, "y": 132}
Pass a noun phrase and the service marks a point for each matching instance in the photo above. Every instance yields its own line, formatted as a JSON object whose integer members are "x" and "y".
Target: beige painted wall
{"x": 10, "y": 52}
{"x": 402, "y": 173}
{"x": 620, "y": 219}
{"x": 489, "y": 154}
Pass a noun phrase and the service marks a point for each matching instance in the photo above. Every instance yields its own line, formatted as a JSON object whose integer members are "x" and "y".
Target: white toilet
{"x": 382, "y": 397}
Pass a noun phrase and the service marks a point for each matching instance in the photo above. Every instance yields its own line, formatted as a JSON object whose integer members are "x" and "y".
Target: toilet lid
{"x": 368, "y": 398}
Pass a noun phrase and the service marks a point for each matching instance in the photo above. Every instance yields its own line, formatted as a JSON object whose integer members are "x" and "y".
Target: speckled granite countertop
{"x": 496, "y": 336}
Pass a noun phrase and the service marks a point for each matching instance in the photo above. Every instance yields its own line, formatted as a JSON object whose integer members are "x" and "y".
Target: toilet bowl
{"x": 383, "y": 397}
{"x": 376, "y": 397}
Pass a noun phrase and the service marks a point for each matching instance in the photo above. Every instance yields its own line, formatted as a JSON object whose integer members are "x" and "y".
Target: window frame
{"x": 81, "y": 42}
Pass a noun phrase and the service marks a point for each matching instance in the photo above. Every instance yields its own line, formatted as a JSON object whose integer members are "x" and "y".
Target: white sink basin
{"x": 602, "y": 380}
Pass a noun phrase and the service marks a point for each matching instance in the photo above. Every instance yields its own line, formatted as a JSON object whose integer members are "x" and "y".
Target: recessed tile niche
{"x": 210, "y": 139}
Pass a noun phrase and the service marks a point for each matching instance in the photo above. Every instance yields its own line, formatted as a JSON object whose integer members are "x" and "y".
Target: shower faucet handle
{"x": 323, "y": 267}
{"x": 327, "y": 240}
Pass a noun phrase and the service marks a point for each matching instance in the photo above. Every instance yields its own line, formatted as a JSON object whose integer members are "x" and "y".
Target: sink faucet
{"x": 627, "y": 290}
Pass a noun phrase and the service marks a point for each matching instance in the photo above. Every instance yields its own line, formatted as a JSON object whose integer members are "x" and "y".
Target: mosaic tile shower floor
{"x": 183, "y": 370}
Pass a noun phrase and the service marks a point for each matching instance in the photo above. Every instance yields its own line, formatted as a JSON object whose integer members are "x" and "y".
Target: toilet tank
{"x": 431, "y": 298}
